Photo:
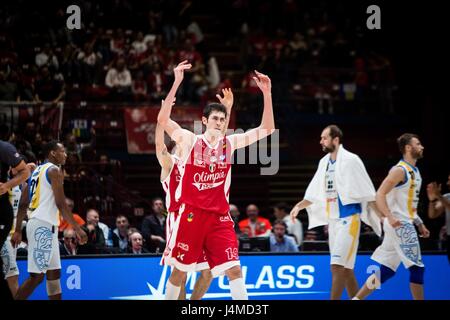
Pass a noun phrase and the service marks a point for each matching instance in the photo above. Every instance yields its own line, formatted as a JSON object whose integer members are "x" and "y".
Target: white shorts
{"x": 8, "y": 254}
{"x": 43, "y": 247}
{"x": 399, "y": 245}
{"x": 343, "y": 235}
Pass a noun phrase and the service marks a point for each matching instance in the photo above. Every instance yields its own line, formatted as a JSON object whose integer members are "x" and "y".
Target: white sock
{"x": 238, "y": 290}
{"x": 356, "y": 298}
{"x": 172, "y": 292}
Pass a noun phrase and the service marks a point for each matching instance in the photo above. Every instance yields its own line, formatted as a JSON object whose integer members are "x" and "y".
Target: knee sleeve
{"x": 53, "y": 287}
{"x": 416, "y": 274}
{"x": 385, "y": 273}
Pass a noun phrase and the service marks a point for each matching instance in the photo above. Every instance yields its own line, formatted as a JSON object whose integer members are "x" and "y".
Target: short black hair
{"x": 404, "y": 140}
{"x": 49, "y": 146}
{"x": 278, "y": 221}
{"x": 156, "y": 199}
{"x": 214, "y": 107}
{"x": 335, "y": 131}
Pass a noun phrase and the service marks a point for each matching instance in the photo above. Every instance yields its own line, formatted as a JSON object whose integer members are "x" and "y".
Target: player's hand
{"x": 227, "y": 99}
{"x": 81, "y": 236}
{"x": 263, "y": 82}
{"x": 431, "y": 190}
{"x": 394, "y": 222}
{"x": 424, "y": 232}
{"x": 16, "y": 239}
{"x": 179, "y": 70}
{"x": 294, "y": 213}
{"x": 3, "y": 188}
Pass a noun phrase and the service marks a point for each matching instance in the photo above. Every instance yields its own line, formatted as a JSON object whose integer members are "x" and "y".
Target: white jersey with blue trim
{"x": 42, "y": 200}
{"x": 404, "y": 198}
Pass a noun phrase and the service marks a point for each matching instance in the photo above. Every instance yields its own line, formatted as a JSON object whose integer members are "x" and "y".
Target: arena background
{"x": 381, "y": 83}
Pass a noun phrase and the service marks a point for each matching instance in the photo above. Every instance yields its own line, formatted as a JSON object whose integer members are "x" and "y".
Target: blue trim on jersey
{"x": 46, "y": 175}
{"x": 349, "y": 209}
{"x": 28, "y": 187}
{"x": 332, "y": 161}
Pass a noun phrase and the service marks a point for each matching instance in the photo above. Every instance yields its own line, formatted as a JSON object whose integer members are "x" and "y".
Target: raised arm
{"x": 172, "y": 128}
{"x": 163, "y": 156}
{"x": 267, "y": 126}
{"x": 395, "y": 176}
{"x": 227, "y": 101}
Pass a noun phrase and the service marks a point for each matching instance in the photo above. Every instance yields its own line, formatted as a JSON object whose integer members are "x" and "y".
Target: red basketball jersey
{"x": 206, "y": 178}
{"x": 170, "y": 185}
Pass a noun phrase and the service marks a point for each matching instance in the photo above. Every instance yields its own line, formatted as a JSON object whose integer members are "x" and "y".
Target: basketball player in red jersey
{"x": 204, "y": 222}
{"x": 170, "y": 178}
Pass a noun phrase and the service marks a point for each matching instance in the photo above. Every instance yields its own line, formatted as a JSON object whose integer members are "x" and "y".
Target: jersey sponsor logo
{"x": 224, "y": 218}
{"x": 183, "y": 246}
{"x": 206, "y": 186}
{"x": 200, "y": 163}
{"x": 204, "y": 181}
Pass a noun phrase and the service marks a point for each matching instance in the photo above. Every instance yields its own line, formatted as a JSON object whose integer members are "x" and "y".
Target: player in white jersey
{"x": 8, "y": 253}
{"x": 339, "y": 191}
{"x": 397, "y": 198}
{"x": 43, "y": 197}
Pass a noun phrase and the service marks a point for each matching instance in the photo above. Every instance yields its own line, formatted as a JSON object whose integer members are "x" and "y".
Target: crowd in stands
{"x": 126, "y": 52}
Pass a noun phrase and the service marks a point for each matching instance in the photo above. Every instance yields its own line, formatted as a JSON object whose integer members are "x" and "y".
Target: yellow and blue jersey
{"x": 404, "y": 198}
{"x": 42, "y": 200}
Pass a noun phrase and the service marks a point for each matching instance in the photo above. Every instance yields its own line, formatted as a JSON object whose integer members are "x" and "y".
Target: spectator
{"x": 63, "y": 224}
{"x": 119, "y": 80}
{"x": 49, "y": 88}
{"x": 69, "y": 245}
{"x": 96, "y": 239}
{"x": 9, "y": 91}
{"x": 254, "y": 225}
{"x": 279, "y": 241}
{"x": 93, "y": 216}
{"x": 136, "y": 244}
{"x": 119, "y": 236}
{"x": 139, "y": 45}
{"x": 234, "y": 212}
{"x": 90, "y": 63}
{"x": 281, "y": 212}
{"x": 157, "y": 82}
{"x": 437, "y": 206}
{"x": 153, "y": 227}
{"x": 139, "y": 87}
{"x": 47, "y": 58}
